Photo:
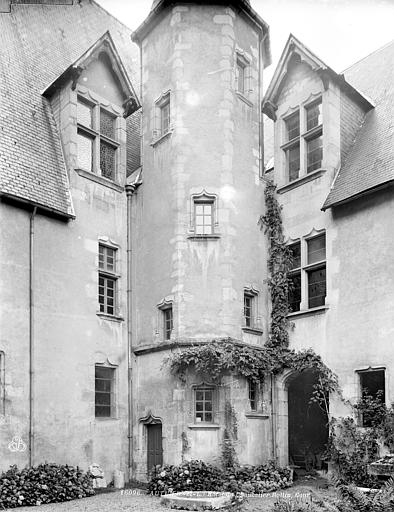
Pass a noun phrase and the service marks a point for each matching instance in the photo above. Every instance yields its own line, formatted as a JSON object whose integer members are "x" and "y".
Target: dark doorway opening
{"x": 154, "y": 446}
{"x": 308, "y": 423}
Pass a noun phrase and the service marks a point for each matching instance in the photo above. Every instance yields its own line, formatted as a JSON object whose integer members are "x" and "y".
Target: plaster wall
{"x": 69, "y": 336}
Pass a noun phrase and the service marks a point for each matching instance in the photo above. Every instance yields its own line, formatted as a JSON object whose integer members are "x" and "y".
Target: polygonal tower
{"x": 199, "y": 259}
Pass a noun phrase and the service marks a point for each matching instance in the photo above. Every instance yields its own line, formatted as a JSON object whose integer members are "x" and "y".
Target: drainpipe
{"x": 273, "y": 418}
{"x": 129, "y": 192}
{"x": 31, "y": 338}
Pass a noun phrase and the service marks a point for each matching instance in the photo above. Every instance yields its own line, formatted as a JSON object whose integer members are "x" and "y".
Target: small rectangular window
{"x": 372, "y": 384}
{"x": 253, "y": 398}
{"x": 104, "y": 392}
{"x": 203, "y": 401}
{"x": 248, "y": 309}
{"x": 165, "y": 115}
{"x": 107, "y": 280}
{"x": 107, "y": 124}
{"x": 107, "y": 160}
{"x": 203, "y": 217}
{"x": 84, "y": 114}
{"x": 314, "y": 149}
{"x": 314, "y": 115}
{"x": 316, "y": 248}
{"x": 85, "y": 152}
{"x": 293, "y": 162}
{"x": 241, "y": 76}
{"x": 294, "y": 278}
{"x": 168, "y": 322}
{"x": 293, "y": 126}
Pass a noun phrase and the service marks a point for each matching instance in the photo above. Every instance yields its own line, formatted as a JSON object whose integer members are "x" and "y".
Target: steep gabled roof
{"x": 104, "y": 43}
{"x": 294, "y": 48}
{"x": 37, "y": 44}
{"x": 158, "y": 7}
{"x": 370, "y": 162}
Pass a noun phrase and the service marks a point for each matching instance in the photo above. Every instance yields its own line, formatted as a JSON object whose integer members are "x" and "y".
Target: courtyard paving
{"x": 135, "y": 500}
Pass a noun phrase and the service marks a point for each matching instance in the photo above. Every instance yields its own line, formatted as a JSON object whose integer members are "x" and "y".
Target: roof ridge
{"x": 368, "y": 55}
{"x": 111, "y": 15}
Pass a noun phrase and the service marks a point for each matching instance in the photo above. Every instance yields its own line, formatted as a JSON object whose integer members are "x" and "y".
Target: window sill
{"x": 300, "y": 181}
{"x": 253, "y": 330}
{"x": 308, "y": 312}
{"x": 203, "y": 238}
{"x": 112, "y": 318}
{"x": 99, "y": 179}
{"x": 112, "y": 418}
{"x": 204, "y": 426}
{"x": 244, "y": 98}
{"x": 160, "y": 139}
{"x": 255, "y": 414}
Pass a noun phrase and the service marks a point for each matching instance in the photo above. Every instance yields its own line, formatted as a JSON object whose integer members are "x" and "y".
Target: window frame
{"x": 161, "y": 105}
{"x": 107, "y": 275}
{"x": 253, "y": 395}
{"x": 204, "y": 387}
{"x": 98, "y": 138}
{"x": 305, "y": 269}
{"x": 112, "y": 393}
{"x": 302, "y": 141}
{"x": 168, "y": 322}
{"x": 242, "y": 72}
{"x": 204, "y": 199}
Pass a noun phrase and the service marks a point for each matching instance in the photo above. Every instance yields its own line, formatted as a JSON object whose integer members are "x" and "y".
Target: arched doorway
{"x": 307, "y": 422}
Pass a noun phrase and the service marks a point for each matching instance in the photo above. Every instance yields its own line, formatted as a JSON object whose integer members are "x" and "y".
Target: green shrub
{"x": 46, "y": 483}
{"x": 199, "y": 476}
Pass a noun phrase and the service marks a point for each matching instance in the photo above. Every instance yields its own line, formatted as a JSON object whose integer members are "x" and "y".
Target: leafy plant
{"x": 199, "y": 476}
{"x": 45, "y": 483}
{"x": 279, "y": 264}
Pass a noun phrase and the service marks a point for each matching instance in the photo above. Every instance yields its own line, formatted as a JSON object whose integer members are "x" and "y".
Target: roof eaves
{"x": 40, "y": 206}
{"x": 330, "y": 204}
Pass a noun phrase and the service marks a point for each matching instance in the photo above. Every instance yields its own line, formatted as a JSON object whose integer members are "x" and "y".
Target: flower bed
{"x": 199, "y": 476}
{"x": 46, "y": 483}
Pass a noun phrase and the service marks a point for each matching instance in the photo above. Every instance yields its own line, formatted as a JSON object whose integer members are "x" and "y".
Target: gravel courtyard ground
{"x": 134, "y": 500}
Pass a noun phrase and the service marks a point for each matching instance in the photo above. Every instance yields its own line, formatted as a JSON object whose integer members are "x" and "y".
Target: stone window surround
{"x": 165, "y": 304}
{"x": 215, "y": 406}
{"x": 304, "y": 137}
{"x": 114, "y": 406}
{"x": 157, "y": 135}
{"x": 304, "y": 267}
{"x": 108, "y": 242}
{"x": 209, "y": 198}
{"x": 90, "y": 97}
{"x": 255, "y": 327}
{"x": 244, "y": 59}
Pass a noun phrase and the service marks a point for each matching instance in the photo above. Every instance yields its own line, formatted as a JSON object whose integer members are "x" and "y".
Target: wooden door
{"x": 155, "y": 445}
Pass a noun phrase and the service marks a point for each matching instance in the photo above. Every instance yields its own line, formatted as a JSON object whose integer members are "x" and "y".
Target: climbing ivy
{"x": 226, "y": 356}
{"x": 279, "y": 264}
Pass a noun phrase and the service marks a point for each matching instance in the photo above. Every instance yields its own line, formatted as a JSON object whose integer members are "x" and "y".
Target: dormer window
{"x": 97, "y": 144}
{"x": 303, "y": 143}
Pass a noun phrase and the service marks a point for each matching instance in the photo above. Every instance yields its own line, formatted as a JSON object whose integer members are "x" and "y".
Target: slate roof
{"x": 37, "y": 43}
{"x": 370, "y": 162}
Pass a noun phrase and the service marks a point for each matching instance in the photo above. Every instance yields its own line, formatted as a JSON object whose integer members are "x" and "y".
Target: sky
{"x": 340, "y": 32}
